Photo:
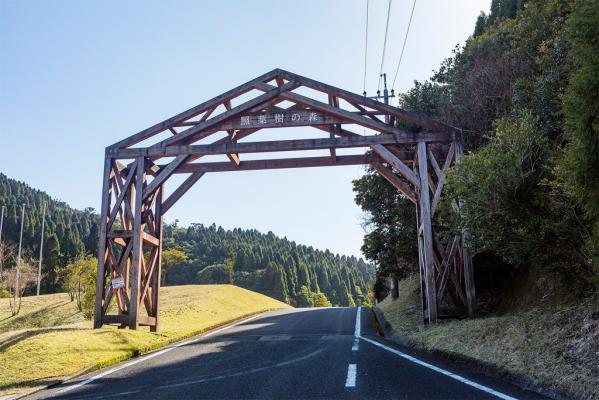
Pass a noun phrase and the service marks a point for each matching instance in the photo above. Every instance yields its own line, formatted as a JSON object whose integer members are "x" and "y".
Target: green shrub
{"x": 320, "y": 300}
{"x": 216, "y": 274}
{"x": 510, "y": 203}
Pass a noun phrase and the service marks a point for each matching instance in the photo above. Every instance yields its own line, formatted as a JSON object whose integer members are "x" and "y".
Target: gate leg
{"x": 421, "y": 273}
{"x": 137, "y": 245}
{"x": 466, "y": 258}
{"x": 101, "y": 271}
{"x": 156, "y": 274}
{"x": 427, "y": 234}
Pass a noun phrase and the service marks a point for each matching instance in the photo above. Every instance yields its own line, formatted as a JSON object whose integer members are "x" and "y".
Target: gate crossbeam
{"x": 134, "y": 200}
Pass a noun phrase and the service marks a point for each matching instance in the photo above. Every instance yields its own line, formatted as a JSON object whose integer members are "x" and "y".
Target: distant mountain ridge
{"x": 265, "y": 263}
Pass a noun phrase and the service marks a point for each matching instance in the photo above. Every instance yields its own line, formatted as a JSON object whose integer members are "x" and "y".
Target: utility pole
{"x": 39, "y": 267}
{"x": 1, "y": 255}
{"x": 18, "y": 282}
{"x": 385, "y": 95}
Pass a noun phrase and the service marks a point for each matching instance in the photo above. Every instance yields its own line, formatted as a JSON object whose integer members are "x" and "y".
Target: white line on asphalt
{"x": 152, "y": 355}
{"x": 358, "y": 331}
{"x": 356, "y": 345}
{"x": 439, "y": 370}
{"x": 351, "y": 376}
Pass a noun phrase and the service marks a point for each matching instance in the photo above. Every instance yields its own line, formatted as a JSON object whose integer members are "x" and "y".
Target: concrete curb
{"x": 485, "y": 368}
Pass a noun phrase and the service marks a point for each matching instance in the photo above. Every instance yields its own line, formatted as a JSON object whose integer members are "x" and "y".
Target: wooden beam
{"x": 119, "y": 200}
{"x": 137, "y": 246}
{"x": 192, "y": 112}
{"x": 165, "y": 173}
{"x": 364, "y": 112}
{"x": 194, "y": 133}
{"x": 280, "y": 163}
{"x": 395, "y": 181}
{"x": 396, "y": 163}
{"x": 448, "y": 262}
{"x": 234, "y": 157}
{"x": 466, "y": 258}
{"x": 158, "y": 212}
{"x": 332, "y": 136}
{"x": 227, "y": 146}
{"x": 427, "y": 234}
{"x": 145, "y": 320}
{"x": 414, "y": 118}
{"x": 101, "y": 271}
{"x": 181, "y": 190}
{"x": 117, "y": 319}
{"x": 276, "y": 117}
{"x": 341, "y": 113}
{"x": 149, "y": 239}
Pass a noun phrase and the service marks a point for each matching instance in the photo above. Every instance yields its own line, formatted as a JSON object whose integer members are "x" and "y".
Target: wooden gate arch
{"x": 136, "y": 170}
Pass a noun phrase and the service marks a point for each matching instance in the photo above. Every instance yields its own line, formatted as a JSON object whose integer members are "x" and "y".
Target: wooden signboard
{"x": 279, "y": 119}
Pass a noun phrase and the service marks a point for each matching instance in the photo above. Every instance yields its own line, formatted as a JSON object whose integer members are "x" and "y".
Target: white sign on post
{"x": 117, "y": 283}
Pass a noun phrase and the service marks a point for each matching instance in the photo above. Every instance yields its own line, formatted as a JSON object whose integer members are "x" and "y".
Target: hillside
{"x": 68, "y": 232}
{"x": 59, "y": 341}
{"x": 523, "y": 91}
{"x": 265, "y": 263}
{"x": 275, "y": 266}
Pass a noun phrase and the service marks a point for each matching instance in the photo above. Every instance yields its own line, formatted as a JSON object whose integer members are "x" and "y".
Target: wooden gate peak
{"x": 137, "y": 168}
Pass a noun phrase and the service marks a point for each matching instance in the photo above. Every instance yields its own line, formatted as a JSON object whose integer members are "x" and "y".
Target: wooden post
{"x": 156, "y": 273}
{"x": 137, "y": 245}
{"x": 427, "y": 234}
{"x": 101, "y": 271}
{"x": 421, "y": 266}
{"x": 466, "y": 258}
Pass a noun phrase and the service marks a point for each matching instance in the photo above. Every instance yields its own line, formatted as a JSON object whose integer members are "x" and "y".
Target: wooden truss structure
{"x": 136, "y": 169}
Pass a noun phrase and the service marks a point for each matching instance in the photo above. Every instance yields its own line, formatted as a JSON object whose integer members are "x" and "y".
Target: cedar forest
{"x": 280, "y": 268}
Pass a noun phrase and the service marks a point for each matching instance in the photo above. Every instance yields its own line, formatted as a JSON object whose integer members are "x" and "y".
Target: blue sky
{"x": 77, "y": 76}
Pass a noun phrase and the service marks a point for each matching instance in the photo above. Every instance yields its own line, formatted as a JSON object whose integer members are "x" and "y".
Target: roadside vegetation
{"x": 51, "y": 338}
{"x": 553, "y": 341}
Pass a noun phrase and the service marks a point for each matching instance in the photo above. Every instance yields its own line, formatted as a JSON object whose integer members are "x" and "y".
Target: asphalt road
{"x": 293, "y": 354}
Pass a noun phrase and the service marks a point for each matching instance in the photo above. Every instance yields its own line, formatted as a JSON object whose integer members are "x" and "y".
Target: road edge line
{"x": 442, "y": 371}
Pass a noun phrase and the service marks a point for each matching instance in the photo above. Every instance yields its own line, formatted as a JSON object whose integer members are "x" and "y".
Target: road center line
{"x": 358, "y": 331}
{"x": 356, "y": 345}
{"x": 149, "y": 356}
{"x": 439, "y": 370}
{"x": 351, "y": 375}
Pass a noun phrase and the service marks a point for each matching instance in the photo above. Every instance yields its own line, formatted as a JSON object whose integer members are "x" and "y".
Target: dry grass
{"x": 557, "y": 345}
{"x": 57, "y": 341}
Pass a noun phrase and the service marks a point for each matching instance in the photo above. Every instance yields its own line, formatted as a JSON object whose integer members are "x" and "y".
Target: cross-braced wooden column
{"x": 446, "y": 269}
{"x": 130, "y": 245}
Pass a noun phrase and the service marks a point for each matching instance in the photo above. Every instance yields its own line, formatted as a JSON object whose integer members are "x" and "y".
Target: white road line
{"x": 439, "y": 370}
{"x": 358, "y": 331}
{"x": 356, "y": 345}
{"x": 149, "y": 356}
{"x": 351, "y": 375}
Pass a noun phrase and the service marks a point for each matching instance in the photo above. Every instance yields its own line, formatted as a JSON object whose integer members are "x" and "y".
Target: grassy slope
{"x": 558, "y": 345}
{"x": 50, "y": 338}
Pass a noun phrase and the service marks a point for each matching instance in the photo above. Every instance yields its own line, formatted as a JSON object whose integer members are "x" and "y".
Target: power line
{"x": 366, "y": 45}
{"x": 405, "y": 39}
{"x": 385, "y": 44}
